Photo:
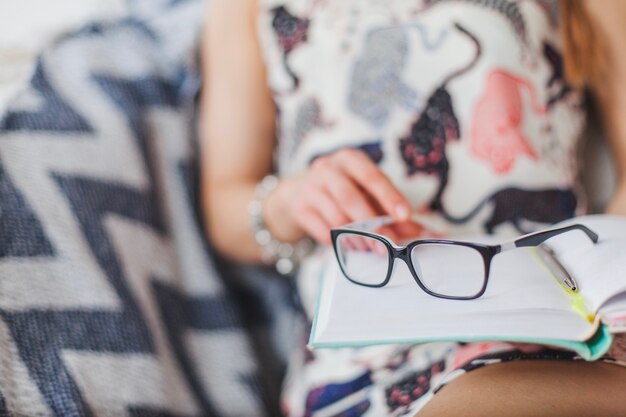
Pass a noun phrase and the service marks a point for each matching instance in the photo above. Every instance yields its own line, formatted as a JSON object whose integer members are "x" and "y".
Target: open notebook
{"x": 524, "y": 302}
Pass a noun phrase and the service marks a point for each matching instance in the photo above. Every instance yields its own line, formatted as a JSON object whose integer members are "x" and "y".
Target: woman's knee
{"x": 534, "y": 388}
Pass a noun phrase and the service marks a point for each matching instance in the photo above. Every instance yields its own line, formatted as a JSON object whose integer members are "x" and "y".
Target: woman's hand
{"x": 339, "y": 188}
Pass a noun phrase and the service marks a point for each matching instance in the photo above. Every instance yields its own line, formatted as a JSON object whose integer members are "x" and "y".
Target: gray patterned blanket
{"x": 111, "y": 303}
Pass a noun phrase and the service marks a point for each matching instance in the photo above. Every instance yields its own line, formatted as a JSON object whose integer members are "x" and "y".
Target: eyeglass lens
{"x": 449, "y": 270}
{"x": 363, "y": 259}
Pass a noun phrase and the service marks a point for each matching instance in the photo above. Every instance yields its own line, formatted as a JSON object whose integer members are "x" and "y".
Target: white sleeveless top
{"x": 463, "y": 104}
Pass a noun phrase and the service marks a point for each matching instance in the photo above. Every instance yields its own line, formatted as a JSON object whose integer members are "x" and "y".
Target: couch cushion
{"x": 110, "y": 303}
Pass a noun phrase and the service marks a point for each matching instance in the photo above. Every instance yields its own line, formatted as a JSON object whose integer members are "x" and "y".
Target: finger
{"x": 352, "y": 201}
{"x": 359, "y": 167}
{"x": 378, "y": 247}
{"x": 408, "y": 230}
{"x": 314, "y": 225}
{"x": 322, "y": 201}
{"x": 380, "y": 210}
{"x": 346, "y": 243}
{"x": 360, "y": 244}
{"x": 389, "y": 232}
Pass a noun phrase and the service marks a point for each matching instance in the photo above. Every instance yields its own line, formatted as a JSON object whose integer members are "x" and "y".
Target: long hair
{"x": 584, "y": 52}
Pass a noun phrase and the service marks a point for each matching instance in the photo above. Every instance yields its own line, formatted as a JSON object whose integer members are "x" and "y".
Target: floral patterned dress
{"x": 464, "y": 105}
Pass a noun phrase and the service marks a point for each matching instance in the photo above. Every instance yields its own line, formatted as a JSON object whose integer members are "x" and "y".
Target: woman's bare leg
{"x": 534, "y": 388}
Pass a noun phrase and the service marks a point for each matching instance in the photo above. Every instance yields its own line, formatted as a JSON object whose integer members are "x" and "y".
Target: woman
{"x": 463, "y": 111}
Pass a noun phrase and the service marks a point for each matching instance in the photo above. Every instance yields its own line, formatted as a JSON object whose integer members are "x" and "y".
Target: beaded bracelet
{"x": 284, "y": 256}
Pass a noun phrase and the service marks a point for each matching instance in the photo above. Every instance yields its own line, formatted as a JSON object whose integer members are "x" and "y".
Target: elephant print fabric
{"x": 376, "y": 84}
{"x": 518, "y": 207}
{"x": 464, "y": 105}
{"x": 448, "y": 97}
{"x": 497, "y": 136}
{"x": 423, "y": 149}
{"x": 291, "y": 32}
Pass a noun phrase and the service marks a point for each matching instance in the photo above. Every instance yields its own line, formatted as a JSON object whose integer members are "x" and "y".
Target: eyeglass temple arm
{"x": 537, "y": 238}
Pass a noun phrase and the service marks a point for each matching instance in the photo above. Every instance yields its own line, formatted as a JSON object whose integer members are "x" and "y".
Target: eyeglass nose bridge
{"x": 401, "y": 252}
{"x": 404, "y": 253}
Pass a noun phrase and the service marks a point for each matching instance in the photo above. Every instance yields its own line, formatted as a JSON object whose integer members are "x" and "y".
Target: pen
{"x": 548, "y": 255}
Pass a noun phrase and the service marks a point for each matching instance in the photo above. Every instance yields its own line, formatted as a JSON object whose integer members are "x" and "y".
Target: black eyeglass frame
{"x": 487, "y": 252}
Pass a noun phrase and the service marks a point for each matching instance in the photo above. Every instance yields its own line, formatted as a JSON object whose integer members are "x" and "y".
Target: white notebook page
{"x": 522, "y": 301}
{"x": 599, "y": 269}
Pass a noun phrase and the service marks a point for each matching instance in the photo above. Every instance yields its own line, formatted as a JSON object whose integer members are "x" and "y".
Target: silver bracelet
{"x": 284, "y": 256}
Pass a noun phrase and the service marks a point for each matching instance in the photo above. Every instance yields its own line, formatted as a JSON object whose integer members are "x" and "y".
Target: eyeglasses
{"x": 450, "y": 269}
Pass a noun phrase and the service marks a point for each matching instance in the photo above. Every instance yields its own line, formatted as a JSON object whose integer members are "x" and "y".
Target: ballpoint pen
{"x": 549, "y": 257}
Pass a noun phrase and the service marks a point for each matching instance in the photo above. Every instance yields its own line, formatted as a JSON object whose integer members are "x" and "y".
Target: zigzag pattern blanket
{"x": 110, "y": 304}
